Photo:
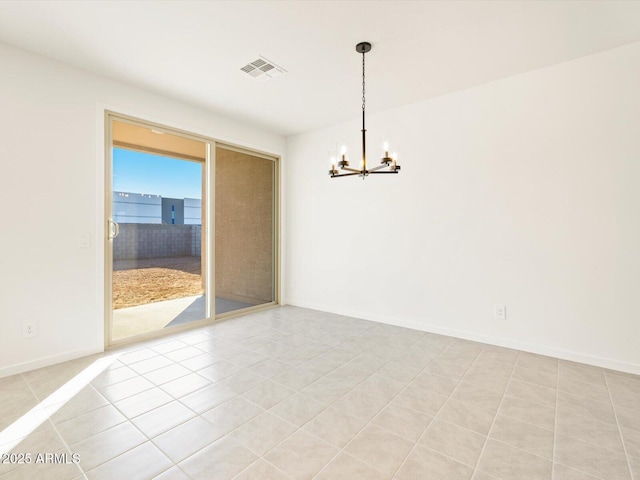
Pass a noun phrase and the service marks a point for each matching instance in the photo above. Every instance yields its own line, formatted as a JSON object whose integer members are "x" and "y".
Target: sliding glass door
{"x": 191, "y": 230}
{"x": 158, "y": 265}
{"x": 245, "y": 199}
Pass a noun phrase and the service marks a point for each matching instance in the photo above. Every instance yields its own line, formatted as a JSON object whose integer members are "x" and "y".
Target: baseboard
{"x": 47, "y": 361}
{"x": 579, "y": 357}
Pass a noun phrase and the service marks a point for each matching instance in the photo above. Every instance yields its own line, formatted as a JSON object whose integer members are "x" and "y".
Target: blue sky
{"x": 153, "y": 174}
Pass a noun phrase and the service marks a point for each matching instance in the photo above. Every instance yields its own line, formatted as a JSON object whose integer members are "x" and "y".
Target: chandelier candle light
{"x": 388, "y": 164}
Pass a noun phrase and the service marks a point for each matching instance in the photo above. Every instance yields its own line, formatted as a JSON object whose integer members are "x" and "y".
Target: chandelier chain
{"x": 363, "y": 91}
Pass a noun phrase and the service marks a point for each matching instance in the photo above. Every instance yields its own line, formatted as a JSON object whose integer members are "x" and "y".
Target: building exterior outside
{"x": 130, "y": 207}
{"x": 152, "y": 226}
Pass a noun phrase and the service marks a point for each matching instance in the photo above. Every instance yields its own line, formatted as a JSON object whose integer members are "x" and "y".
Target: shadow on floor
{"x": 196, "y": 310}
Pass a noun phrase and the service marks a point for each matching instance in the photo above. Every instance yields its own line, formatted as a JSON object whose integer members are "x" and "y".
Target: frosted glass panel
{"x": 244, "y": 219}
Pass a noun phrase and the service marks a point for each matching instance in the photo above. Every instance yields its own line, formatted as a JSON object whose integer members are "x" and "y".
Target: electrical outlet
{"x": 500, "y": 312}
{"x": 29, "y": 329}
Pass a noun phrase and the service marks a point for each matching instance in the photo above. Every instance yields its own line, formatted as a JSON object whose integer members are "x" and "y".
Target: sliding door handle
{"x": 114, "y": 229}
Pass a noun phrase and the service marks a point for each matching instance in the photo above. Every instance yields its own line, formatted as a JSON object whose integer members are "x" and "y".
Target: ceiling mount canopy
{"x": 388, "y": 163}
{"x": 363, "y": 47}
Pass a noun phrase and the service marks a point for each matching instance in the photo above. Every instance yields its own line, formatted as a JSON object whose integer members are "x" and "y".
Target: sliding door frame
{"x": 208, "y": 230}
{"x": 275, "y": 233}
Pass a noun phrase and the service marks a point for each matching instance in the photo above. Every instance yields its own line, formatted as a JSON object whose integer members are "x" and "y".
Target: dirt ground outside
{"x": 138, "y": 282}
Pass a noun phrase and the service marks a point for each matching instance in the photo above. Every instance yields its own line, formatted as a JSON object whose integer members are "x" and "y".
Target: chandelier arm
{"x": 379, "y": 167}
{"x": 344, "y": 174}
{"x": 349, "y": 169}
{"x": 385, "y": 171}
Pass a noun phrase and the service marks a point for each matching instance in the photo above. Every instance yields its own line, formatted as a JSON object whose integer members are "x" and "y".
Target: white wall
{"x": 524, "y": 192}
{"x": 52, "y": 154}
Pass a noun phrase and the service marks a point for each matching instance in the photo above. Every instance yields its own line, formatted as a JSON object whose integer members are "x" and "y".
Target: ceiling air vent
{"x": 263, "y": 69}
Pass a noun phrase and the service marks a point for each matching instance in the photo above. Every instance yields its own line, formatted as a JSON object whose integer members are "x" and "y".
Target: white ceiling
{"x": 193, "y": 51}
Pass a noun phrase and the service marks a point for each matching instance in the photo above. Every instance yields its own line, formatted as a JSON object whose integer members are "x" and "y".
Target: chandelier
{"x": 388, "y": 164}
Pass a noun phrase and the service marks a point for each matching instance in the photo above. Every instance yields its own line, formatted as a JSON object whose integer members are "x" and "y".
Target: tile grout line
{"x": 515, "y": 447}
{"x": 557, "y": 395}
{"x": 283, "y": 440}
{"x": 615, "y": 415}
{"x": 129, "y": 420}
{"x": 402, "y": 390}
{"x": 555, "y": 425}
{"x": 578, "y": 415}
{"x": 238, "y": 395}
{"x": 515, "y": 363}
{"x": 256, "y": 462}
{"x": 235, "y": 396}
{"x": 526, "y": 423}
{"x": 341, "y": 449}
{"x": 440, "y": 408}
{"x": 300, "y": 428}
{"x": 197, "y": 415}
{"x": 53, "y": 425}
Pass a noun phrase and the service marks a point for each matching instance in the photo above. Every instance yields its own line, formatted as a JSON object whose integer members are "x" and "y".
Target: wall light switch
{"x": 500, "y": 312}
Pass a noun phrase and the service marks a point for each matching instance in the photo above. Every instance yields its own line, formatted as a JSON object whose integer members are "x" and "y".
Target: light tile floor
{"x": 290, "y": 393}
